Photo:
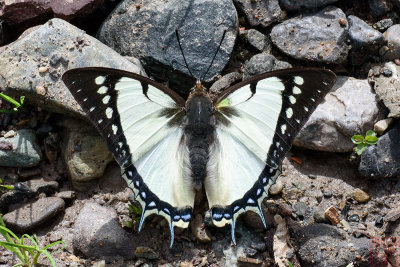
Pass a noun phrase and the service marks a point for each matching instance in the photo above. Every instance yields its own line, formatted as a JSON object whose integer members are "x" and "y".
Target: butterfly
{"x": 232, "y": 145}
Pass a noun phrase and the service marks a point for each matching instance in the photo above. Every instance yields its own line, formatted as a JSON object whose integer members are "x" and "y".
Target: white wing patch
{"x": 162, "y": 169}
{"x": 257, "y": 115}
{"x": 235, "y": 171}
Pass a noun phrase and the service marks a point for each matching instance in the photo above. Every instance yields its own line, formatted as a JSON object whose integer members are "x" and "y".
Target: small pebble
{"x": 9, "y": 134}
{"x": 393, "y": 215}
{"x": 345, "y": 224}
{"x": 360, "y": 196}
{"x": 146, "y": 253}
{"x": 250, "y": 252}
{"x": 379, "y": 221}
{"x": 43, "y": 69}
{"x": 276, "y": 188}
{"x": 332, "y": 215}
{"x": 101, "y": 263}
{"x": 387, "y": 72}
{"x": 40, "y": 90}
{"x": 260, "y": 246}
{"x": 353, "y": 218}
{"x": 328, "y": 194}
{"x": 381, "y": 126}
{"x": 300, "y": 209}
{"x": 319, "y": 216}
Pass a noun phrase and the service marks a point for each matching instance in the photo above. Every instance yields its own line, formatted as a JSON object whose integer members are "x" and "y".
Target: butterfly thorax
{"x": 199, "y": 134}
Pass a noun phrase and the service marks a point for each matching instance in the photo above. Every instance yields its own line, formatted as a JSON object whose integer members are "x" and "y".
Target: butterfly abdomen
{"x": 199, "y": 133}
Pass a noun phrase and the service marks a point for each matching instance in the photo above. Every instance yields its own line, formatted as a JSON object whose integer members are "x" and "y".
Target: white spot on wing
{"x": 283, "y": 128}
{"x": 85, "y": 99}
{"x": 109, "y": 112}
{"x": 92, "y": 108}
{"x": 296, "y": 90}
{"x": 102, "y": 90}
{"x": 289, "y": 113}
{"x": 100, "y": 80}
{"x": 100, "y": 121}
{"x": 106, "y": 99}
{"x": 298, "y": 80}
{"x": 306, "y": 108}
{"x": 292, "y": 99}
{"x": 114, "y": 129}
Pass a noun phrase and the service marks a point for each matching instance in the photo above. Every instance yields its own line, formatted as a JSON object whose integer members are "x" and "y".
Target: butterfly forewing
{"x": 257, "y": 121}
{"x": 141, "y": 122}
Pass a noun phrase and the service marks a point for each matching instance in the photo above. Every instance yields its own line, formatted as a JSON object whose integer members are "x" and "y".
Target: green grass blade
{"x": 55, "y": 243}
{"x": 9, "y": 99}
{"x": 53, "y": 263}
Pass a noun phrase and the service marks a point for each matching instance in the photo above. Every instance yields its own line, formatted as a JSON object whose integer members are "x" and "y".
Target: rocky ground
{"x": 330, "y": 207}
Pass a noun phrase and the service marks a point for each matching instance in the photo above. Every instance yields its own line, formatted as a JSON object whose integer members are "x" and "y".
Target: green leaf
{"x": 361, "y": 148}
{"x": 129, "y": 224}
{"x": 21, "y": 100}
{"x": 357, "y": 139}
{"x": 370, "y": 133}
{"x": 372, "y": 141}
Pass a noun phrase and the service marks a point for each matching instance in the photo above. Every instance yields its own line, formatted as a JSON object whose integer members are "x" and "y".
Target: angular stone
{"x": 343, "y": 114}
{"x": 365, "y": 40}
{"x": 360, "y": 196}
{"x": 25, "y": 151}
{"x": 261, "y": 63}
{"x": 382, "y": 159}
{"x": 387, "y": 88}
{"x": 392, "y": 37}
{"x": 16, "y": 12}
{"x": 85, "y": 154}
{"x": 261, "y": 13}
{"x": 258, "y": 40}
{"x": 58, "y": 46}
{"x": 321, "y": 245}
{"x": 317, "y": 37}
{"x": 32, "y": 215}
{"x": 332, "y": 215}
{"x": 393, "y": 215}
{"x": 38, "y": 186}
{"x": 220, "y": 85}
{"x": 295, "y": 5}
{"x": 97, "y": 233}
{"x": 381, "y": 126}
{"x": 380, "y": 7}
{"x": 149, "y": 34}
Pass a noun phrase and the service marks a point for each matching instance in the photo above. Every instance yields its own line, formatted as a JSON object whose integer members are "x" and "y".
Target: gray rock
{"x": 98, "y": 234}
{"x": 34, "y": 11}
{"x": 85, "y": 153}
{"x": 227, "y": 80}
{"x": 350, "y": 108}
{"x": 300, "y": 209}
{"x": 261, "y": 63}
{"x": 295, "y": 5}
{"x": 326, "y": 245}
{"x": 40, "y": 58}
{"x": 32, "y": 215}
{"x": 24, "y": 151}
{"x": 319, "y": 37}
{"x": 146, "y": 253}
{"x": 149, "y": 34}
{"x": 261, "y": 13}
{"x": 383, "y": 24}
{"x": 258, "y": 40}
{"x": 38, "y": 186}
{"x": 319, "y": 215}
{"x": 387, "y": 88}
{"x": 383, "y": 159}
{"x": 380, "y": 7}
{"x": 365, "y": 40}
{"x": 392, "y": 36}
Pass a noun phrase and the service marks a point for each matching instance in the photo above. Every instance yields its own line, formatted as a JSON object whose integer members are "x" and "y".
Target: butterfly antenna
{"x": 216, "y": 52}
{"x": 180, "y": 47}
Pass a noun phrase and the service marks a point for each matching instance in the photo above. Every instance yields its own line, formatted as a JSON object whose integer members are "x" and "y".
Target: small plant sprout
{"x": 135, "y": 213}
{"x": 7, "y": 187}
{"x": 18, "y": 105}
{"x": 364, "y": 142}
{"x": 27, "y": 254}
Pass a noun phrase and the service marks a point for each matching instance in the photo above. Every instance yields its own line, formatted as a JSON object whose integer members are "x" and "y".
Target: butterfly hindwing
{"x": 257, "y": 121}
{"x": 141, "y": 122}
